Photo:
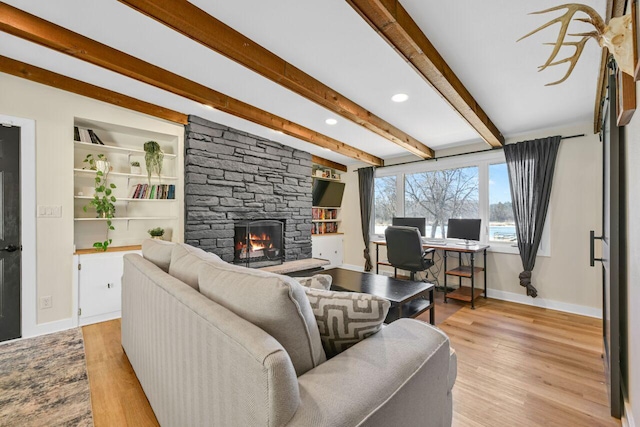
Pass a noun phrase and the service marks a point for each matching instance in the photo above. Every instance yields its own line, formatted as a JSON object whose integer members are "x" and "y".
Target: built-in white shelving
{"x": 125, "y": 175}
{"x": 114, "y": 149}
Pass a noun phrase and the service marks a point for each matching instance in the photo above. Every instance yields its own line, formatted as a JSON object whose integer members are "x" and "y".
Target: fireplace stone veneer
{"x": 233, "y": 176}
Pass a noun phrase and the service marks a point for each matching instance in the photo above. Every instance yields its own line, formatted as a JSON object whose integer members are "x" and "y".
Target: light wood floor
{"x": 517, "y": 366}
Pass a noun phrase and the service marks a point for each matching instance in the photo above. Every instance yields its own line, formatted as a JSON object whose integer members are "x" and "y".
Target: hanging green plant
{"x": 103, "y": 198}
{"x": 153, "y": 157}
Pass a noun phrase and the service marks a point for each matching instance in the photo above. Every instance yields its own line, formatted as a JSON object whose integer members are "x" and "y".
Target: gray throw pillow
{"x": 276, "y": 304}
{"x": 346, "y": 318}
{"x": 318, "y": 281}
{"x": 186, "y": 261}
{"x": 158, "y": 252}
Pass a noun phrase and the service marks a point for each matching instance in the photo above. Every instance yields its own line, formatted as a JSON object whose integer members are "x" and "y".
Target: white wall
{"x": 53, "y": 111}
{"x": 564, "y": 280}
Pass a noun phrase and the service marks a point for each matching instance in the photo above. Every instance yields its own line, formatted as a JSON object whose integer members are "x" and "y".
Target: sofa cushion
{"x": 186, "y": 262}
{"x": 318, "y": 281}
{"x": 275, "y": 303}
{"x": 158, "y": 252}
{"x": 345, "y": 318}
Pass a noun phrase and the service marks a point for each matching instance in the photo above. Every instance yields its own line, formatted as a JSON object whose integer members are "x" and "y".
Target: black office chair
{"x": 404, "y": 250}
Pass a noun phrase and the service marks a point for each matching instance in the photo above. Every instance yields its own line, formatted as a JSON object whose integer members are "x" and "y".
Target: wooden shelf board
{"x": 464, "y": 271}
{"x": 326, "y": 234}
{"x": 124, "y": 174}
{"x": 128, "y": 199}
{"x": 112, "y": 148}
{"x": 325, "y": 220}
{"x": 323, "y": 207}
{"x": 464, "y": 293}
{"x": 326, "y": 179}
{"x": 109, "y": 249}
{"x": 127, "y": 218}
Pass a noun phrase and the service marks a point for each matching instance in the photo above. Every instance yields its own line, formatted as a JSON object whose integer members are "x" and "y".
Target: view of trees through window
{"x": 502, "y": 226}
{"x": 443, "y": 194}
{"x": 440, "y": 195}
{"x": 385, "y": 202}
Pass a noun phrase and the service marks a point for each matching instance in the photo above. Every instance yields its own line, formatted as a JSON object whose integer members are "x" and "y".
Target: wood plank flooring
{"x": 517, "y": 366}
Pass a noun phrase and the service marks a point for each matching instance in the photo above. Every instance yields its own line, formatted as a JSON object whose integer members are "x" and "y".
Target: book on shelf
{"x": 76, "y": 133}
{"x": 94, "y": 137}
{"x": 159, "y": 191}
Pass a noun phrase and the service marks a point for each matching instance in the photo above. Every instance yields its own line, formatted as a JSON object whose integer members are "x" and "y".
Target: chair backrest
{"x": 404, "y": 248}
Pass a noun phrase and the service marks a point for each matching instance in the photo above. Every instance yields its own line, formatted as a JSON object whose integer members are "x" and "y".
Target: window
{"x": 385, "y": 202}
{"x": 440, "y": 195}
{"x": 502, "y": 226}
{"x": 461, "y": 187}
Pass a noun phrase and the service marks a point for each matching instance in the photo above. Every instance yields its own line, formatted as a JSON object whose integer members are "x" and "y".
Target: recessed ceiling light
{"x": 331, "y": 122}
{"x": 208, "y": 106}
{"x": 277, "y": 131}
{"x": 326, "y": 149}
{"x": 399, "y": 97}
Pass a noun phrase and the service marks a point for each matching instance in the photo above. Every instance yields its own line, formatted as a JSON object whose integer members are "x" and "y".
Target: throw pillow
{"x": 186, "y": 261}
{"x": 158, "y": 252}
{"x": 318, "y": 281}
{"x": 276, "y": 304}
{"x": 345, "y": 318}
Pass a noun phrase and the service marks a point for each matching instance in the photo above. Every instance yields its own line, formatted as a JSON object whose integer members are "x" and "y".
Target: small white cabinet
{"x": 100, "y": 286}
{"x": 329, "y": 247}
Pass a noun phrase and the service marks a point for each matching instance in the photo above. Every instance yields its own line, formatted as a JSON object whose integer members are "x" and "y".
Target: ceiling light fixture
{"x": 331, "y": 122}
{"x": 208, "y": 107}
{"x": 277, "y": 131}
{"x": 399, "y": 97}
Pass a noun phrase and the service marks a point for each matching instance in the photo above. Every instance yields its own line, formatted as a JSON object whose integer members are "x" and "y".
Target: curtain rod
{"x": 462, "y": 154}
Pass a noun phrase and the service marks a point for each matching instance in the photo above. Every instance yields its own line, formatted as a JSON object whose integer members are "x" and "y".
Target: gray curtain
{"x": 530, "y": 165}
{"x": 365, "y": 182}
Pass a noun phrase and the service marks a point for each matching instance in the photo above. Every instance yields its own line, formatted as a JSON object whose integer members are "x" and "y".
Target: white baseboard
{"x": 89, "y": 320}
{"x": 545, "y": 303}
{"x": 524, "y": 299}
{"x": 627, "y": 417}
{"x": 49, "y": 328}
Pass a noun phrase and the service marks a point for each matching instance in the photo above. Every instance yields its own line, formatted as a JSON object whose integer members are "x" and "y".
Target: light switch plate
{"x": 54, "y": 211}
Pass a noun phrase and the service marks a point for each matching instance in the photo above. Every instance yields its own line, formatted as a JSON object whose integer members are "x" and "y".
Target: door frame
{"x": 28, "y": 274}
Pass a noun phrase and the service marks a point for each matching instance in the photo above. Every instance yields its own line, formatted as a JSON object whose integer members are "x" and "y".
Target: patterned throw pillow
{"x": 319, "y": 281}
{"x": 345, "y": 318}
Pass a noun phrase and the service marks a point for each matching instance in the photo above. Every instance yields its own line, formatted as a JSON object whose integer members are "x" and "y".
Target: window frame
{"x": 482, "y": 161}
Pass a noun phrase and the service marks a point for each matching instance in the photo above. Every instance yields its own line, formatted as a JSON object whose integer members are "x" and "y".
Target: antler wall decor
{"x": 617, "y": 36}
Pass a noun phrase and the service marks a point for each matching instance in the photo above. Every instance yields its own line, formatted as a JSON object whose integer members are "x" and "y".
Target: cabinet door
{"x": 329, "y": 248}
{"x": 100, "y": 286}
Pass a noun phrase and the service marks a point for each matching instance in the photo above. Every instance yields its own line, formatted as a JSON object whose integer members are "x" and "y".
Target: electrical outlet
{"x": 46, "y": 302}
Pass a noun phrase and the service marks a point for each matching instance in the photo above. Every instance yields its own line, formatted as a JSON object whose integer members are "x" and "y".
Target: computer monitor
{"x": 466, "y": 229}
{"x": 418, "y": 223}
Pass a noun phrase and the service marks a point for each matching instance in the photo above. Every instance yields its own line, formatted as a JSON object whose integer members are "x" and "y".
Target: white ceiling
{"x": 330, "y": 41}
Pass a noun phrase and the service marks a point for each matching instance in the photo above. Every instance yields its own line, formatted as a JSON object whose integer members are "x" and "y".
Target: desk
{"x": 463, "y": 293}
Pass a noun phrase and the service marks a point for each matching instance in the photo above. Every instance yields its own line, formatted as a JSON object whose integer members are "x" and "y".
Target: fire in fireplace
{"x": 258, "y": 243}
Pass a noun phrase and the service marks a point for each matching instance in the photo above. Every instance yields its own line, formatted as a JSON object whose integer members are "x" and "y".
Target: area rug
{"x": 43, "y": 381}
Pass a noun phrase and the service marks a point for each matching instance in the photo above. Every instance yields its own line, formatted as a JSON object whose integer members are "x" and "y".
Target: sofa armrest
{"x": 400, "y": 373}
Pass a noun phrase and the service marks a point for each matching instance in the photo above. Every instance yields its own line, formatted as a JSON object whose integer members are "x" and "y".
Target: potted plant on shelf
{"x": 103, "y": 198}
{"x": 156, "y": 233}
{"x": 153, "y": 157}
{"x": 135, "y": 168}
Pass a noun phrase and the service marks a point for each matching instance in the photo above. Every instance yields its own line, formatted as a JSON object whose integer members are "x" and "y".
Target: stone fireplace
{"x": 233, "y": 177}
{"x": 258, "y": 243}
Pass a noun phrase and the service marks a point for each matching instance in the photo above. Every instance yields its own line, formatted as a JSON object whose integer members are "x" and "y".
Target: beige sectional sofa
{"x": 206, "y": 363}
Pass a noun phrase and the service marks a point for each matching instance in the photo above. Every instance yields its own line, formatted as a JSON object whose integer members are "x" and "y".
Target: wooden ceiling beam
{"x": 189, "y": 20}
{"x": 32, "y": 28}
{"x": 49, "y": 78}
{"x": 396, "y": 26}
{"x": 328, "y": 163}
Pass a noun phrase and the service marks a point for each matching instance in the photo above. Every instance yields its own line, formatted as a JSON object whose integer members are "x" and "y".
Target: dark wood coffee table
{"x": 407, "y": 297}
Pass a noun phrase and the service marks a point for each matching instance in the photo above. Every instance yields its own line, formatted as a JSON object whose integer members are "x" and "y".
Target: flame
{"x": 257, "y": 242}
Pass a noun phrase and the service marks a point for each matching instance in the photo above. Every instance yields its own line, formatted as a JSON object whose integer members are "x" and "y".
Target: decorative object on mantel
{"x": 135, "y": 168}
{"x": 153, "y": 157}
{"x": 618, "y": 36}
{"x": 156, "y": 233}
{"x": 103, "y": 198}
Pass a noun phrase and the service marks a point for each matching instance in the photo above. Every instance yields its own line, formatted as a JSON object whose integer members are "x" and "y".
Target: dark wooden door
{"x": 10, "y": 233}
{"x": 611, "y": 139}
